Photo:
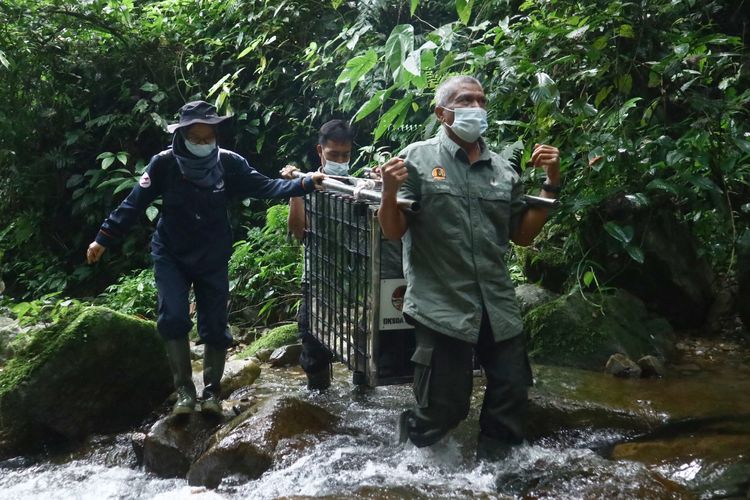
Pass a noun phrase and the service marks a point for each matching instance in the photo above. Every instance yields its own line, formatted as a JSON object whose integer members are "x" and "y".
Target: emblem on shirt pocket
{"x": 145, "y": 181}
{"x": 219, "y": 185}
{"x": 438, "y": 173}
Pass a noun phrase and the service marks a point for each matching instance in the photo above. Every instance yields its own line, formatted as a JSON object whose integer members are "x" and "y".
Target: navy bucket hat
{"x": 197, "y": 112}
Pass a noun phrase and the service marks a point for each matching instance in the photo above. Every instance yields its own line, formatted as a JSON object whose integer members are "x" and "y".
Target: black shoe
{"x": 319, "y": 380}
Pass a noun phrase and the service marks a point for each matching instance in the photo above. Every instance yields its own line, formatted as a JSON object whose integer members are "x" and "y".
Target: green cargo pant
{"x": 443, "y": 378}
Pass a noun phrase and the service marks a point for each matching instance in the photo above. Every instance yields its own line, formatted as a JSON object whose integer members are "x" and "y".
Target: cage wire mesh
{"x": 355, "y": 289}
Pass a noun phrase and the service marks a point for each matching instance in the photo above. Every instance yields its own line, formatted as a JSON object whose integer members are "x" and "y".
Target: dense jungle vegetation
{"x": 648, "y": 101}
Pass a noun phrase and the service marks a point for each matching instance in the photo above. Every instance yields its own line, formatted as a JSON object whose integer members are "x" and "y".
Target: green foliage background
{"x": 647, "y": 99}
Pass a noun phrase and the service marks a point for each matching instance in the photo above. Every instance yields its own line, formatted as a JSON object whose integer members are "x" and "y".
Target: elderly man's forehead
{"x": 466, "y": 88}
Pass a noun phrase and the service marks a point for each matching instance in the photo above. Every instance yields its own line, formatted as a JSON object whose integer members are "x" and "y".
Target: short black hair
{"x": 336, "y": 131}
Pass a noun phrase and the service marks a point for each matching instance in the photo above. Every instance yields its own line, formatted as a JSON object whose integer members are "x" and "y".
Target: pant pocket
{"x": 422, "y": 360}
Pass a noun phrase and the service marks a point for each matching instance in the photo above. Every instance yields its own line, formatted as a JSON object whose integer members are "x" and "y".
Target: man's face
{"x": 340, "y": 152}
{"x": 201, "y": 133}
{"x": 466, "y": 95}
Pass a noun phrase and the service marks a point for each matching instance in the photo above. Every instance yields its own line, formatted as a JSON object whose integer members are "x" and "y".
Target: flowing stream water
{"x": 360, "y": 460}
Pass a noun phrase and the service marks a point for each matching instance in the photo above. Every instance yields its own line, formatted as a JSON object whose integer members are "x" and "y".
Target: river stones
{"x": 651, "y": 367}
{"x": 102, "y": 372}
{"x": 246, "y": 445}
{"x": 620, "y": 365}
{"x": 287, "y": 355}
{"x": 583, "y": 331}
{"x": 174, "y": 443}
{"x": 238, "y": 374}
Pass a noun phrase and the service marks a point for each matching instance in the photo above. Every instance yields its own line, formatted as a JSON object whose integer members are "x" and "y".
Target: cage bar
{"x": 355, "y": 284}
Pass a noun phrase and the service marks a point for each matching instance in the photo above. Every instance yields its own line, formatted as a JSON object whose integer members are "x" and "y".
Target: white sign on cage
{"x": 391, "y": 303}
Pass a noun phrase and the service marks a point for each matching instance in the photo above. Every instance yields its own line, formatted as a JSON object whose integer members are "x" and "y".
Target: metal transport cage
{"x": 355, "y": 289}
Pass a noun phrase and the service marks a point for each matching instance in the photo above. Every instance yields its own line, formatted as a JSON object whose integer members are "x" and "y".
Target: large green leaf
{"x": 635, "y": 253}
{"x": 662, "y": 185}
{"x": 413, "y": 7}
{"x": 398, "y": 46}
{"x": 463, "y": 8}
{"x": 618, "y": 232}
{"x": 390, "y": 115}
{"x": 374, "y": 103}
{"x": 357, "y": 67}
{"x": 546, "y": 91}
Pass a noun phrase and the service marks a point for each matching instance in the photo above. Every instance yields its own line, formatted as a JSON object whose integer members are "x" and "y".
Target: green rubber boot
{"x": 178, "y": 354}
{"x": 213, "y": 369}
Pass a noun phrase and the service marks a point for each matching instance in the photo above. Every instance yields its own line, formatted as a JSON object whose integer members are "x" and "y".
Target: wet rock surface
{"x": 620, "y": 365}
{"x": 287, "y": 355}
{"x": 239, "y": 374}
{"x": 651, "y": 366}
{"x": 175, "y": 442}
{"x": 246, "y": 445}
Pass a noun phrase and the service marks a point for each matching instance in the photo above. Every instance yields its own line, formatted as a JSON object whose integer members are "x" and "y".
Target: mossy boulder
{"x": 99, "y": 372}
{"x": 583, "y": 331}
{"x": 273, "y": 339}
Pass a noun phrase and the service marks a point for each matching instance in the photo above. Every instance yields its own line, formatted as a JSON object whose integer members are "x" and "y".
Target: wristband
{"x": 551, "y": 188}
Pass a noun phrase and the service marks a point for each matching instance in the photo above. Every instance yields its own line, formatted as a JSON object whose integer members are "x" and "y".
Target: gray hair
{"x": 447, "y": 88}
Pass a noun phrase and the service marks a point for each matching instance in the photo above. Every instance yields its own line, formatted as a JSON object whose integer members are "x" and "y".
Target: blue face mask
{"x": 336, "y": 168}
{"x": 469, "y": 123}
{"x": 200, "y": 150}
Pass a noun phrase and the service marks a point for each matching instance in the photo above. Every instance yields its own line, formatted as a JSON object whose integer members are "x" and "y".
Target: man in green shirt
{"x": 459, "y": 295}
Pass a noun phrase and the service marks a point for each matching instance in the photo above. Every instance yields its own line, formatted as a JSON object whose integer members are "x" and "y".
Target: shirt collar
{"x": 454, "y": 149}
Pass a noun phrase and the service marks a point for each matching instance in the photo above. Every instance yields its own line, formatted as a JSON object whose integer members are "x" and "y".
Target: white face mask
{"x": 336, "y": 168}
{"x": 200, "y": 150}
{"x": 469, "y": 123}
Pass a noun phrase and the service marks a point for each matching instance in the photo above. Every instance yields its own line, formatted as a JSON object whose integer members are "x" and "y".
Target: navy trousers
{"x": 211, "y": 288}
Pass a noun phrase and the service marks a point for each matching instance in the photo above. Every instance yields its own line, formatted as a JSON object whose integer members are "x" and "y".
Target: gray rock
{"x": 138, "y": 441}
{"x": 651, "y": 366}
{"x": 287, "y": 355}
{"x": 196, "y": 352}
{"x": 264, "y": 354}
{"x": 246, "y": 445}
{"x": 239, "y": 373}
{"x": 620, "y": 365}
{"x": 530, "y": 296}
{"x": 175, "y": 442}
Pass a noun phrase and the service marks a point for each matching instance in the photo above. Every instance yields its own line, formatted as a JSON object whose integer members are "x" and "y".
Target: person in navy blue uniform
{"x": 193, "y": 241}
